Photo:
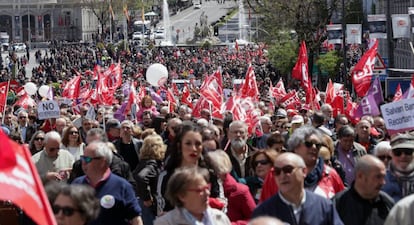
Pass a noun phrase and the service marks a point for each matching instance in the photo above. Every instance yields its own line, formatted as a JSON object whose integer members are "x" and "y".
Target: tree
{"x": 329, "y": 63}
{"x": 308, "y": 18}
{"x": 283, "y": 54}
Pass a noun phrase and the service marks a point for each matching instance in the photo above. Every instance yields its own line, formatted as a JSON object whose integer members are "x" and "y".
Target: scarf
{"x": 313, "y": 178}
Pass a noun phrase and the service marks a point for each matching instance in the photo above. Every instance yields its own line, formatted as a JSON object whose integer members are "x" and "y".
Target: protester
{"x": 321, "y": 179}
{"x": 128, "y": 146}
{"x": 240, "y": 203}
{"x": 364, "y": 137}
{"x": 116, "y": 195}
{"x": 146, "y": 175}
{"x": 364, "y": 203}
{"x": 293, "y": 204}
{"x": 383, "y": 151}
{"x": 399, "y": 181}
{"x": 72, "y": 142}
{"x": 53, "y": 163}
{"x": 188, "y": 191}
{"x": 75, "y": 205}
{"x": 36, "y": 144}
{"x": 401, "y": 213}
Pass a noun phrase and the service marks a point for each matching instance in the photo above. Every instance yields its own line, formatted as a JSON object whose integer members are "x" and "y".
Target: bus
{"x": 140, "y": 26}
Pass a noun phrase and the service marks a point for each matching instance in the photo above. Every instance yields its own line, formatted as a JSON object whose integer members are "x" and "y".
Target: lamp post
{"x": 344, "y": 68}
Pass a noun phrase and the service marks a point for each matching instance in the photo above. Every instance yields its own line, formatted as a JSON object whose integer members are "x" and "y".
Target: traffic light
{"x": 216, "y": 30}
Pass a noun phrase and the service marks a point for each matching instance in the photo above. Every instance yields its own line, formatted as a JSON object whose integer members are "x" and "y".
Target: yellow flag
{"x": 126, "y": 12}
{"x": 142, "y": 14}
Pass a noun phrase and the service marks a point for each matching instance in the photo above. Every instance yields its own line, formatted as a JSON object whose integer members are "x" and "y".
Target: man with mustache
{"x": 364, "y": 203}
{"x": 238, "y": 149}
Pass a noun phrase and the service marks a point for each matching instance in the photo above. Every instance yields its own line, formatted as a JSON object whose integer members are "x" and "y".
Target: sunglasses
{"x": 22, "y": 117}
{"x": 286, "y": 170}
{"x": 39, "y": 139}
{"x": 310, "y": 144}
{"x": 88, "y": 159}
{"x": 384, "y": 157}
{"x": 73, "y": 132}
{"x": 262, "y": 162}
{"x": 201, "y": 189}
{"x": 54, "y": 149}
{"x": 66, "y": 210}
{"x": 399, "y": 151}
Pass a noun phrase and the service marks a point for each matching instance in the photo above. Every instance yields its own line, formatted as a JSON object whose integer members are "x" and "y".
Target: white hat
{"x": 297, "y": 119}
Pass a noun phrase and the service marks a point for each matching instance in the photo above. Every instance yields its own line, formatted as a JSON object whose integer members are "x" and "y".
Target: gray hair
{"x": 325, "y": 107}
{"x": 52, "y": 135}
{"x": 103, "y": 150}
{"x": 264, "y": 119}
{"x": 97, "y": 131}
{"x": 128, "y": 122}
{"x": 219, "y": 161}
{"x": 382, "y": 147}
{"x": 84, "y": 199}
{"x": 238, "y": 123}
{"x": 300, "y": 135}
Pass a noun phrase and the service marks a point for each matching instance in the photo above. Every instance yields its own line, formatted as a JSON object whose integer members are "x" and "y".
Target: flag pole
{"x": 5, "y": 102}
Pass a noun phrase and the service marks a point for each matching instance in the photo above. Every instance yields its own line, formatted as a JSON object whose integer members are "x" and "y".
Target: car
{"x": 137, "y": 36}
{"x": 19, "y": 47}
{"x": 159, "y": 34}
{"x": 197, "y": 6}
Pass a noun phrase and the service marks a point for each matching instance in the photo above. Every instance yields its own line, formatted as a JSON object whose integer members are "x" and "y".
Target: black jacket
{"x": 353, "y": 209}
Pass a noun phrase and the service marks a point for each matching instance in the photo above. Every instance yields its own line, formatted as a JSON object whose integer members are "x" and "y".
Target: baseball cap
{"x": 297, "y": 119}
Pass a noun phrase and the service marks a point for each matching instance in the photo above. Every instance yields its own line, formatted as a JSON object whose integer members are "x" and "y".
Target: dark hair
{"x": 156, "y": 124}
{"x": 346, "y": 131}
{"x": 275, "y": 138}
{"x": 65, "y": 138}
{"x": 176, "y": 154}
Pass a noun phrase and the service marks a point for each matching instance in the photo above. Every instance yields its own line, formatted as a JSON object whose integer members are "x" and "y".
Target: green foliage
{"x": 206, "y": 45}
{"x": 283, "y": 56}
{"x": 329, "y": 63}
{"x": 100, "y": 46}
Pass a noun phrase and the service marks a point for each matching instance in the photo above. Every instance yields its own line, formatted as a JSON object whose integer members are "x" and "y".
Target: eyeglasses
{"x": 73, "y": 132}
{"x": 286, "y": 170}
{"x": 39, "y": 139}
{"x": 88, "y": 159}
{"x": 262, "y": 162}
{"x": 399, "y": 151}
{"x": 310, "y": 144}
{"x": 200, "y": 189}
{"x": 384, "y": 157}
{"x": 66, "y": 210}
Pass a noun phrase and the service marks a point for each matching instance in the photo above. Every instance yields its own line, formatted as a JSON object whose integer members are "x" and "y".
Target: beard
{"x": 238, "y": 143}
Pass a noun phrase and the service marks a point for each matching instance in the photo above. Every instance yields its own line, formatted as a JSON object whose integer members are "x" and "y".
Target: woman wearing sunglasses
{"x": 75, "y": 205}
{"x": 36, "y": 143}
{"x": 322, "y": 179}
{"x": 72, "y": 142}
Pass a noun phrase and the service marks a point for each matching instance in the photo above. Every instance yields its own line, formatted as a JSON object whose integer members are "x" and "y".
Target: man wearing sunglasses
{"x": 117, "y": 198}
{"x": 53, "y": 163}
{"x": 400, "y": 174}
{"x": 293, "y": 204}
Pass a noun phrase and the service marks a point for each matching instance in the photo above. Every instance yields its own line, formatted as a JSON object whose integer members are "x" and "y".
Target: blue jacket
{"x": 315, "y": 211}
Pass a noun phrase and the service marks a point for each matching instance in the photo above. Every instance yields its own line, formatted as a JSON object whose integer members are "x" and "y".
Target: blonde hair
{"x": 219, "y": 161}
{"x": 153, "y": 148}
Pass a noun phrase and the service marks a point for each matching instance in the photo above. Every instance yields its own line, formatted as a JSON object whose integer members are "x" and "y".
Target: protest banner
{"x": 48, "y": 109}
{"x": 399, "y": 116}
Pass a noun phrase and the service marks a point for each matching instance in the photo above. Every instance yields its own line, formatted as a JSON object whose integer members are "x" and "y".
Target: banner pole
{"x": 5, "y": 102}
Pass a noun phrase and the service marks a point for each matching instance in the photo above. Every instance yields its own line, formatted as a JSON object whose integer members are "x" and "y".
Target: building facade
{"x": 46, "y": 20}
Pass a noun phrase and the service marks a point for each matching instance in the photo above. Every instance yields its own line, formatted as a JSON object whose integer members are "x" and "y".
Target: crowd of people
{"x": 167, "y": 167}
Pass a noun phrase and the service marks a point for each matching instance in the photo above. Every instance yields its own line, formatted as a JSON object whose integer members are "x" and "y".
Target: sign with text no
{"x": 399, "y": 116}
{"x": 48, "y": 109}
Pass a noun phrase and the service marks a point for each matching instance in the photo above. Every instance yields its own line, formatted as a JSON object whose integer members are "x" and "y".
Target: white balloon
{"x": 30, "y": 88}
{"x": 157, "y": 74}
{"x": 43, "y": 90}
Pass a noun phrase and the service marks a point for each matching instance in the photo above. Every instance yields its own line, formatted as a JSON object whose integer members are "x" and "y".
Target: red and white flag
{"x": 131, "y": 99}
{"x": 71, "y": 89}
{"x": 300, "y": 71}
{"x": 398, "y": 94}
{"x": 3, "y": 95}
{"x": 20, "y": 182}
{"x": 186, "y": 97}
{"x": 171, "y": 101}
{"x": 279, "y": 91}
{"x": 362, "y": 72}
{"x": 25, "y": 101}
{"x": 249, "y": 88}
{"x": 409, "y": 93}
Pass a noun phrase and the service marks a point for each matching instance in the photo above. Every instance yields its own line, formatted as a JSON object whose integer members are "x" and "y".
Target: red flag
{"x": 71, "y": 89}
{"x": 3, "y": 95}
{"x": 236, "y": 46}
{"x": 25, "y": 101}
{"x": 186, "y": 97}
{"x": 350, "y": 109}
{"x": 113, "y": 76}
{"x": 21, "y": 184}
{"x": 201, "y": 104}
{"x": 398, "y": 94}
{"x": 337, "y": 105}
{"x": 279, "y": 91}
{"x": 175, "y": 89}
{"x": 249, "y": 88}
{"x": 300, "y": 71}
{"x": 362, "y": 72}
{"x": 171, "y": 100}
{"x": 291, "y": 100}
{"x": 104, "y": 93}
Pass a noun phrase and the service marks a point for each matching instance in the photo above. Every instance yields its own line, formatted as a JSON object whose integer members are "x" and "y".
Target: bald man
{"x": 364, "y": 203}
{"x": 265, "y": 220}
